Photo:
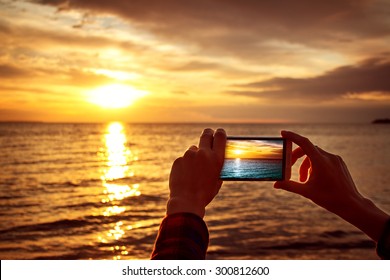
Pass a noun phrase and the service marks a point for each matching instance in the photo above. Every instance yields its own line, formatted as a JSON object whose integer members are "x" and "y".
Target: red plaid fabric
{"x": 182, "y": 236}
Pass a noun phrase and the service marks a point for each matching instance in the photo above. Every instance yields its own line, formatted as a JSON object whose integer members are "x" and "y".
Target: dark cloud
{"x": 371, "y": 75}
{"x": 241, "y": 27}
{"x": 23, "y": 36}
{"x": 275, "y": 112}
{"x": 225, "y": 69}
{"x": 9, "y": 71}
{"x": 197, "y": 66}
{"x": 74, "y": 77}
{"x": 84, "y": 20}
{"x": 233, "y": 14}
{"x": 35, "y": 37}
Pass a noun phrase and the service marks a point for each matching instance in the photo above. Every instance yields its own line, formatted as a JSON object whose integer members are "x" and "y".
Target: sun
{"x": 115, "y": 96}
{"x": 238, "y": 152}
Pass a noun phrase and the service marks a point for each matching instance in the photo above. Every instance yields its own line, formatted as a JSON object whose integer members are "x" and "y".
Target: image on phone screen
{"x": 254, "y": 158}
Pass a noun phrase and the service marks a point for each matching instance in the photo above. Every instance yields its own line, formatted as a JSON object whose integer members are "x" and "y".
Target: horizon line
{"x": 179, "y": 122}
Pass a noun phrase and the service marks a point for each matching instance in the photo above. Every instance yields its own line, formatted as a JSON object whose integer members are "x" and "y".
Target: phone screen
{"x": 255, "y": 159}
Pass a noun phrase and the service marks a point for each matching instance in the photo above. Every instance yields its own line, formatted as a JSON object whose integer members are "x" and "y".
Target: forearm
{"x": 363, "y": 214}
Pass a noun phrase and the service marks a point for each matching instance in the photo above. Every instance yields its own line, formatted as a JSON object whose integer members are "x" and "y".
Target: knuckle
{"x": 178, "y": 161}
{"x": 333, "y": 159}
{"x": 306, "y": 141}
{"x": 189, "y": 154}
{"x": 193, "y": 148}
{"x": 339, "y": 158}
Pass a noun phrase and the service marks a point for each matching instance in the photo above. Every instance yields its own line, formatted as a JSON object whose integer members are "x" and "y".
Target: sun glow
{"x": 115, "y": 96}
{"x": 118, "y": 75}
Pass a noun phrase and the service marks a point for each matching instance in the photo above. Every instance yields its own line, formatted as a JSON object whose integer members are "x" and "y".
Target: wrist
{"x": 365, "y": 215}
{"x": 182, "y": 205}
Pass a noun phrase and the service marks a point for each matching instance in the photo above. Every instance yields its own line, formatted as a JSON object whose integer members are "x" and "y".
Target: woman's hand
{"x": 194, "y": 179}
{"x": 325, "y": 179}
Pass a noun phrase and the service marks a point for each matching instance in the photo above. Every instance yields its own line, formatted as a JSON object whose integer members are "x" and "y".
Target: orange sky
{"x": 265, "y": 149}
{"x": 194, "y": 61}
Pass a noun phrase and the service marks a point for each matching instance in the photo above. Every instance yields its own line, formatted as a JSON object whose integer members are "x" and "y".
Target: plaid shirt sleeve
{"x": 182, "y": 236}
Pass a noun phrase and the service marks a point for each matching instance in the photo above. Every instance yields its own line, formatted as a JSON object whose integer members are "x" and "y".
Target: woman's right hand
{"x": 325, "y": 179}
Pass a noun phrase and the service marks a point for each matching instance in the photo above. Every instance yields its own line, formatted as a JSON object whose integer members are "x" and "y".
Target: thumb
{"x": 290, "y": 186}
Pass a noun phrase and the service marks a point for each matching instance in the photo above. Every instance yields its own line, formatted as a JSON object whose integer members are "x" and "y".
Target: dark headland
{"x": 381, "y": 121}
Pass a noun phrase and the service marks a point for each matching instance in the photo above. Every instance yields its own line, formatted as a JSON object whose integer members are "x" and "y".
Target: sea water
{"x": 98, "y": 191}
{"x": 256, "y": 169}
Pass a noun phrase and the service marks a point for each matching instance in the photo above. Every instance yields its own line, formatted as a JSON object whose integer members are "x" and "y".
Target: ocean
{"x": 98, "y": 191}
{"x": 260, "y": 169}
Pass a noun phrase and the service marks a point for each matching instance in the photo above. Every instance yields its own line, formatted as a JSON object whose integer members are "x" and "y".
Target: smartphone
{"x": 257, "y": 159}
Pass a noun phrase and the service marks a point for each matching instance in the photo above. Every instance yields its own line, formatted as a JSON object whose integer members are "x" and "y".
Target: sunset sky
{"x": 194, "y": 60}
{"x": 265, "y": 149}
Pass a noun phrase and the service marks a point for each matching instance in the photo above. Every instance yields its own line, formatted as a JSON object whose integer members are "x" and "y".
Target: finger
{"x": 177, "y": 164}
{"x": 296, "y": 154}
{"x": 290, "y": 186}
{"x": 193, "y": 148}
{"x": 206, "y": 139}
{"x": 190, "y": 153}
{"x": 304, "y": 169}
{"x": 219, "y": 143}
{"x": 303, "y": 142}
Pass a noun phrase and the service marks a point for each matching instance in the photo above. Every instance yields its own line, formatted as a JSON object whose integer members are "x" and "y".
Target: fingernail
{"x": 207, "y": 131}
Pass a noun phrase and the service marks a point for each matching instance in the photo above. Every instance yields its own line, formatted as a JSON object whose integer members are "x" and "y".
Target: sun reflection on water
{"x": 117, "y": 154}
{"x": 118, "y": 158}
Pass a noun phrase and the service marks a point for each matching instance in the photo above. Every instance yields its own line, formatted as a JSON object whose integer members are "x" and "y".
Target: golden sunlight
{"x": 115, "y": 96}
{"x": 117, "y": 75}
{"x": 118, "y": 157}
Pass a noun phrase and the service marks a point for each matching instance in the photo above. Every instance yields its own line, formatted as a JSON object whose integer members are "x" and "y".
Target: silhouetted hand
{"x": 325, "y": 179}
{"x": 194, "y": 179}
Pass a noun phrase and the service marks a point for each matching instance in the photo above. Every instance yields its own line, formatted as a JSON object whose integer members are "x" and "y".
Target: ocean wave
{"x": 68, "y": 226}
{"x": 81, "y": 183}
{"x": 318, "y": 245}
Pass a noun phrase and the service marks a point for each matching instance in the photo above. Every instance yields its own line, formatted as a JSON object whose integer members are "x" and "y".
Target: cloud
{"x": 234, "y": 14}
{"x": 27, "y": 36}
{"x": 367, "y": 78}
{"x": 282, "y": 113}
{"x": 8, "y": 71}
{"x": 283, "y": 61}
{"x": 197, "y": 66}
{"x": 63, "y": 52}
{"x": 377, "y": 96}
{"x": 245, "y": 28}
{"x": 224, "y": 69}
